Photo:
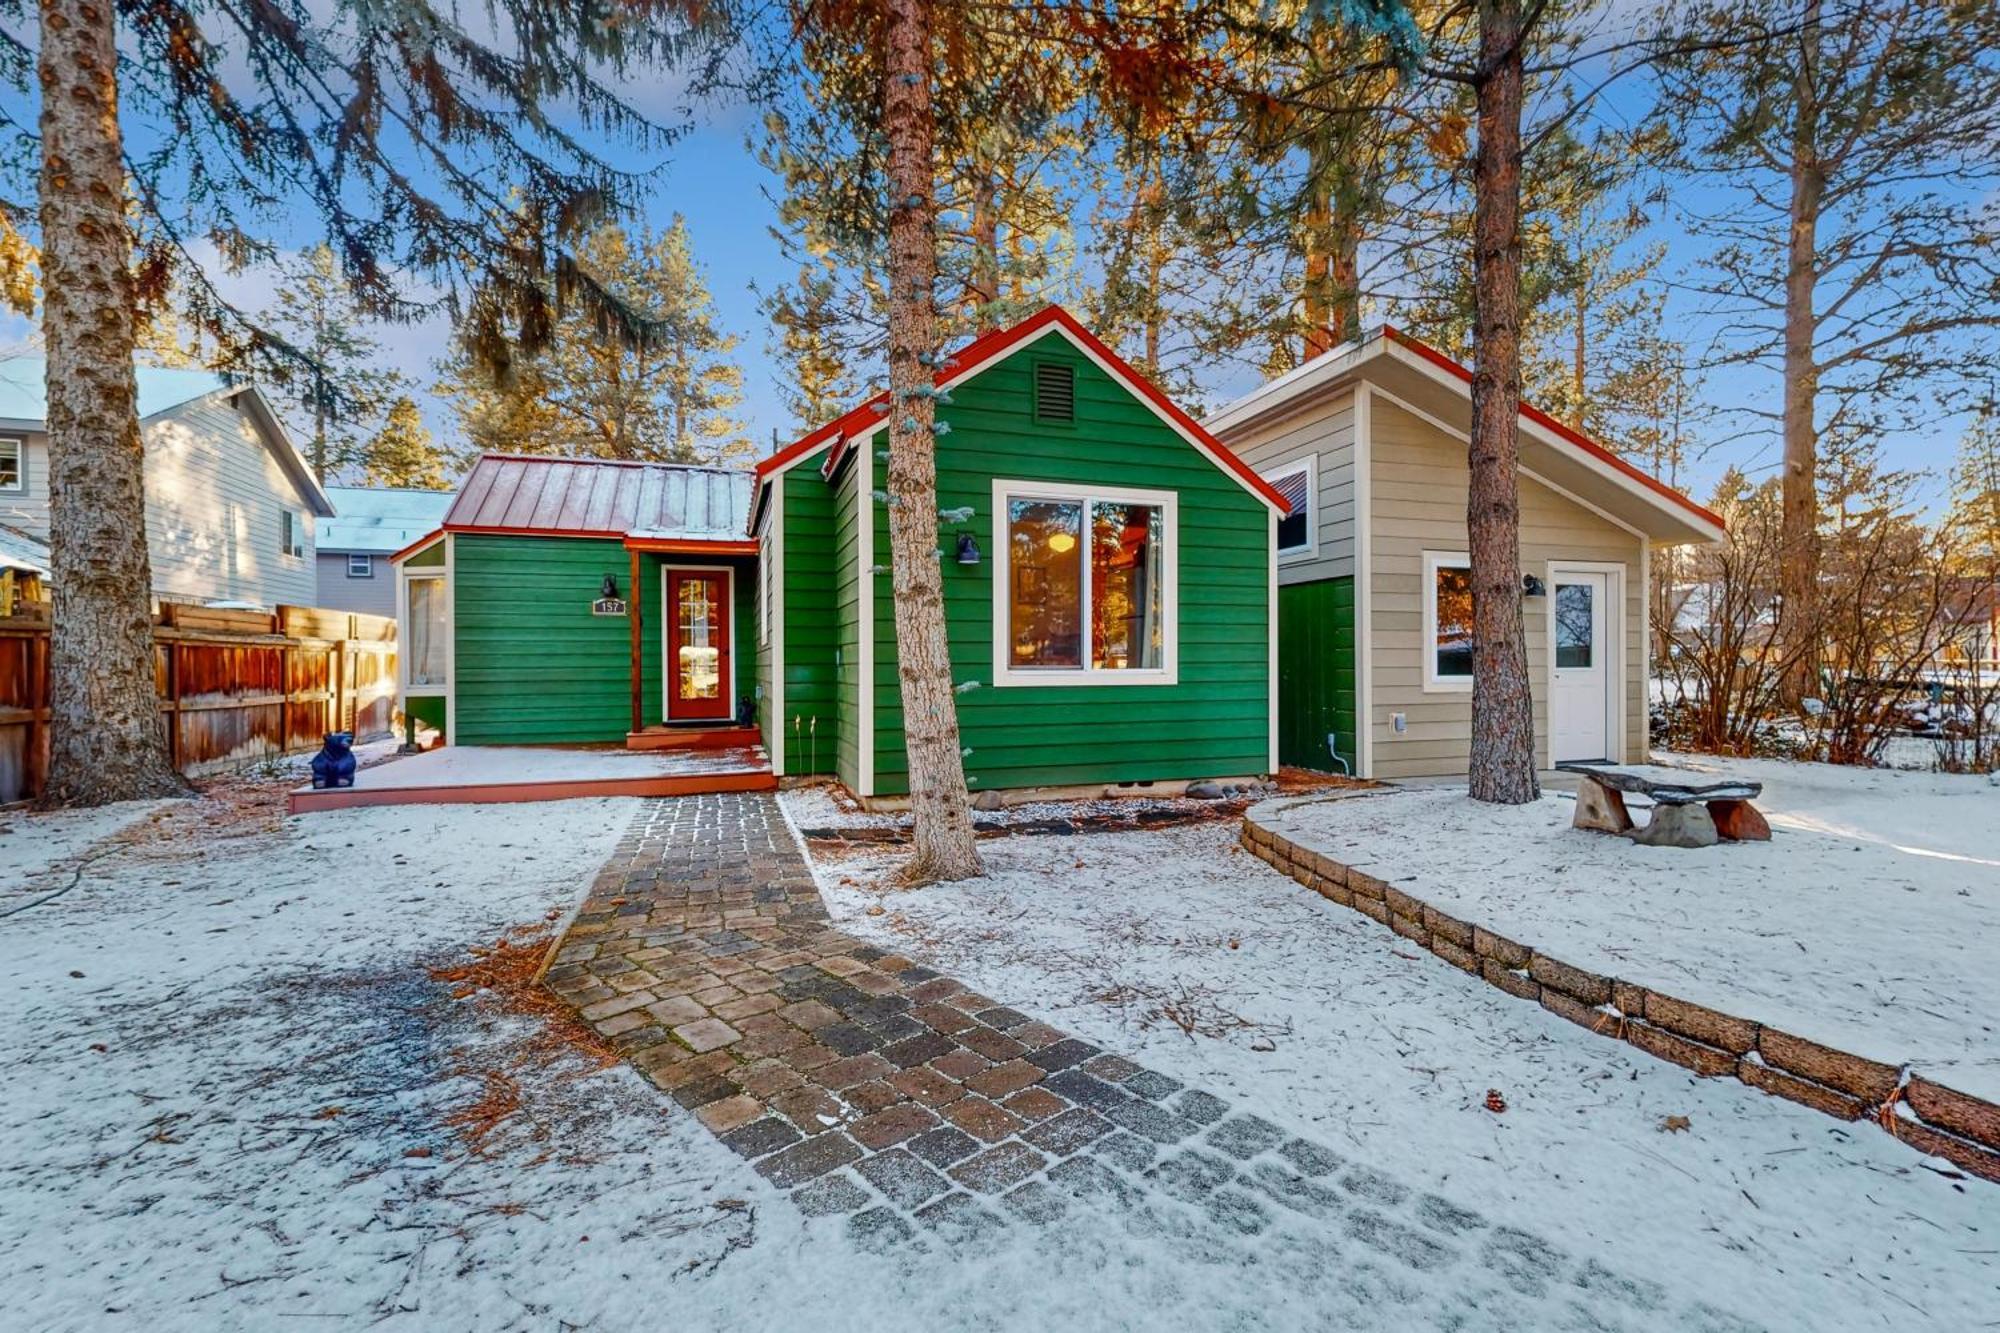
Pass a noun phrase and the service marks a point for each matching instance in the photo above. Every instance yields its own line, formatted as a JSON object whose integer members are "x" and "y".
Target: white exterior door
{"x": 1580, "y": 669}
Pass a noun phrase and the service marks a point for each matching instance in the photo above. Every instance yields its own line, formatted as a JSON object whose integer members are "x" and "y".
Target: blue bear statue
{"x": 333, "y": 766}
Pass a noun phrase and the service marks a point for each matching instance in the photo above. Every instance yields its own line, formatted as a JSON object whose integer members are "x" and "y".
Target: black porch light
{"x": 968, "y": 549}
{"x": 1532, "y": 586}
{"x": 609, "y": 592}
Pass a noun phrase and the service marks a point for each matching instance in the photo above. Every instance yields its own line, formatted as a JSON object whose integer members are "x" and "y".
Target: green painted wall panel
{"x": 1316, "y": 672}
{"x": 847, "y": 662}
{"x": 533, "y": 665}
{"x": 811, "y": 720}
{"x": 1214, "y": 721}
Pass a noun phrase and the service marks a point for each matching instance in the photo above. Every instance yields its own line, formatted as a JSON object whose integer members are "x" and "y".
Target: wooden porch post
{"x": 633, "y": 604}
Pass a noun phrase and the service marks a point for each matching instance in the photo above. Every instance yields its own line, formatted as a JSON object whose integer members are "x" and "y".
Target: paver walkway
{"x": 917, "y": 1112}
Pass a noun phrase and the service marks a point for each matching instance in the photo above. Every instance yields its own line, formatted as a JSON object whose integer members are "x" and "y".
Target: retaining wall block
{"x": 1514, "y": 983}
{"x": 1627, "y": 998}
{"x": 1736, "y": 1035}
{"x": 1373, "y": 907}
{"x": 1579, "y": 1013}
{"x": 1704, "y": 1060}
{"x": 1870, "y": 1080}
{"x": 1949, "y": 1109}
{"x": 1337, "y": 892}
{"x": 1366, "y": 886}
{"x": 1409, "y": 927}
{"x": 1464, "y": 959}
{"x": 1780, "y": 1084}
{"x": 1439, "y": 923}
{"x": 1499, "y": 948}
{"x": 1329, "y": 868}
{"x": 1962, "y": 1153}
{"x": 1402, "y": 904}
{"x": 1589, "y": 987}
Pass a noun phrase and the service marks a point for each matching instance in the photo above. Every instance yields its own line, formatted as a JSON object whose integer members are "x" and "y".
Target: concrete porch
{"x": 484, "y": 774}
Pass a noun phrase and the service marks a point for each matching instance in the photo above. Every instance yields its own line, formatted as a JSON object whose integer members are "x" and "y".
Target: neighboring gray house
{"x": 354, "y": 548}
{"x": 230, "y": 501}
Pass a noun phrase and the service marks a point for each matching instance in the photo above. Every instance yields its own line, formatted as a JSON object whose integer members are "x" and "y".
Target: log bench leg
{"x": 1739, "y": 821}
{"x": 1600, "y": 807}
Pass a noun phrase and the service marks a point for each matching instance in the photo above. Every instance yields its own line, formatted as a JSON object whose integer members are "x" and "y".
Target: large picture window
{"x": 430, "y": 631}
{"x": 1448, "y": 640}
{"x": 1085, "y": 591}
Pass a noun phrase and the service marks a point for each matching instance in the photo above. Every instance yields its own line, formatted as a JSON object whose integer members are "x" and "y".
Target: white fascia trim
{"x": 964, "y": 373}
{"x": 1428, "y": 627}
{"x": 451, "y": 639}
{"x": 774, "y": 744}
{"x": 864, "y": 480}
{"x": 1318, "y": 373}
{"x": 1645, "y": 650}
{"x": 1364, "y": 562}
{"x": 1271, "y": 645}
{"x": 769, "y": 480}
{"x": 1010, "y": 677}
{"x": 1529, "y": 426}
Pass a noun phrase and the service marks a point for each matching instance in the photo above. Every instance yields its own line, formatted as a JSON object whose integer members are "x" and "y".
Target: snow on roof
{"x": 378, "y": 520}
{"x": 594, "y": 497}
{"x": 24, "y": 399}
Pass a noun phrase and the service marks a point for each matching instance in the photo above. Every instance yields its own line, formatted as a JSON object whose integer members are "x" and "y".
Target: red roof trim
{"x": 990, "y": 347}
{"x": 690, "y": 546}
{"x": 1567, "y": 433}
{"x": 510, "y": 530}
{"x": 417, "y": 545}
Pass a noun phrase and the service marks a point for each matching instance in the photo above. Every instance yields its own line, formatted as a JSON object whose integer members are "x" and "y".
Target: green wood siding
{"x": 1214, "y": 722}
{"x": 1316, "y": 689}
{"x": 811, "y": 721}
{"x": 847, "y": 555}
{"x": 533, "y": 666}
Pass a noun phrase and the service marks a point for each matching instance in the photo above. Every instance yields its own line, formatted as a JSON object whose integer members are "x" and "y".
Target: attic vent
{"x": 1055, "y": 392}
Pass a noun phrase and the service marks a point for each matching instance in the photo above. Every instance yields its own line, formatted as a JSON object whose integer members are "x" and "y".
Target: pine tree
{"x": 403, "y": 454}
{"x": 590, "y": 395}
{"x": 323, "y": 109}
{"x": 336, "y": 373}
{"x": 1975, "y": 493}
{"x": 817, "y": 385}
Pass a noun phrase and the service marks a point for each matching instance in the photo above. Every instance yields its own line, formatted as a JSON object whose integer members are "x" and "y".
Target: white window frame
{"x": 1005, "y": 674}
{"x": 1433, "y": 682}
{"x": 1310, "y": 466}
{"x": 291, "y": 534}
{"x": 367, "y": 566}
{"x": 429, "y": 689}
{"x": 765, "y": 584}
{"x": 20, "y": 486}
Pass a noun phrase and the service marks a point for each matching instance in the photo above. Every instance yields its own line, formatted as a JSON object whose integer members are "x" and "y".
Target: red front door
{"x": 698, "y": 666}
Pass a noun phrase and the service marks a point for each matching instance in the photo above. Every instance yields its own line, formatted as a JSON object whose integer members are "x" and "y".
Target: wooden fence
{"x": 235, "y": 686}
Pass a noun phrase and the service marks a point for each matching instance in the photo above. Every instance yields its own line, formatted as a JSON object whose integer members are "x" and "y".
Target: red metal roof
{"x": 595, "y": 497}
{"x": 990, "y": 347}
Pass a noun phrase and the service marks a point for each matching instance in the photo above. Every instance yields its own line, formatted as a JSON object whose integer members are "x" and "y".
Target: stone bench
{"x": 1685, "y": 814}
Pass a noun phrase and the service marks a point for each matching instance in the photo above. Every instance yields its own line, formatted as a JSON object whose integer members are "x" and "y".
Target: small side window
{"x": 13, "y": 466}
{"x": 361, "y": 566}
{"x": 291, "y": 533}
{"x": 1295, "y": 483}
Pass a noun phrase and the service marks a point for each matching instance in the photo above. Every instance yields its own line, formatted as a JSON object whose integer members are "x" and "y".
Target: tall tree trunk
{"x": 105, "y": 739}
{"x": 984, "y": 285}
{"x": 1503, "y": 724}
{"x": 1332, "y": 286}
{"x": 941, "y": 823}
{"x": 1798, "y": 529}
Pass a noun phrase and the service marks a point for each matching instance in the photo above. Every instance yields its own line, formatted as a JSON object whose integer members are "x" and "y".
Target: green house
{"x": 1109, "y": 576}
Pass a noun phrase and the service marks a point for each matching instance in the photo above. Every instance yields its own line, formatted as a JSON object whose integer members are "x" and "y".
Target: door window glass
{"x": 1575, "y": 617}
{"x": 700, "y": 651}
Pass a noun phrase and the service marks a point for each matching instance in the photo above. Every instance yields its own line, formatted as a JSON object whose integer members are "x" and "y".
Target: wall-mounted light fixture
{"x": 968, "y": 549}
{"x": 609, "y": 592}
{"x": 1532, "y": 586}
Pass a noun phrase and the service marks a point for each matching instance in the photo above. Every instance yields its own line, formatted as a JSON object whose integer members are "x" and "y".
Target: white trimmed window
{"x": 1298, "y": 534}
{"x": 360, "y": 566}
{"x": 1084, "y": 585}
{"x": 426, "y": 663}
{"x": 765, "y": 583}
{"x": 13, "y": 466}
{"x": 1447, "y": 642}
{"x": 291, "y": 533}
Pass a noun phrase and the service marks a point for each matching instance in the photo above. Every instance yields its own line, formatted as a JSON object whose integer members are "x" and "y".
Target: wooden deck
{"x": 477, "y": 775}
{"x": 696, "y": 737}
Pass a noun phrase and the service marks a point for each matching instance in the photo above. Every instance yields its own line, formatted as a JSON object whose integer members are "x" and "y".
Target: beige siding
{"x": 28, "y": 509}
{"x": 1327, "y": 430}
{"x": 1419, "y": 480}
{"x": 214, "y": 495}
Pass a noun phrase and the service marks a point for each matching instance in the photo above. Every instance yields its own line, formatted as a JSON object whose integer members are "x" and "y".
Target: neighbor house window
{"x": 13, "y": 466}
{"x": 1447, "y": 643}
{"x": 1085, "y": 593}
{"x": 1295, "y": 482}
{"x": 361, "y": 566}
{"x": 291, "y": 533}
{"x": 430, "y": 630}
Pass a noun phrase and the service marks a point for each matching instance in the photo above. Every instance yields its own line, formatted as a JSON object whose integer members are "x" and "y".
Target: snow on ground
{"x": 1869, "y": 922}
{"x": 455, "y": 765}
{"x": 1782, "y": 1215}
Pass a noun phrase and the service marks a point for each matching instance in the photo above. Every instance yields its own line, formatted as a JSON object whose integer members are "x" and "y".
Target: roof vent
{"x": 1055, "y": 392}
